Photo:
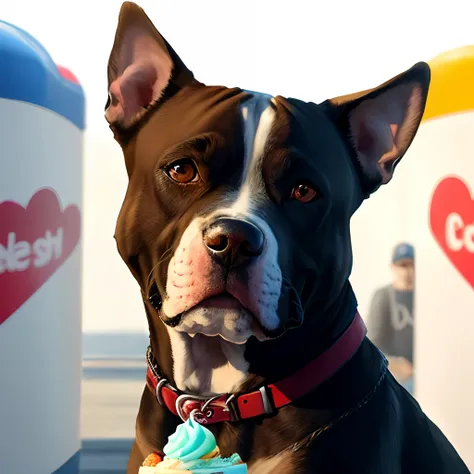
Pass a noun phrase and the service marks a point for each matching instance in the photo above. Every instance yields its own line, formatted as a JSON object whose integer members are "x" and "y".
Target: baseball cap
{"x": 403, "y": 251}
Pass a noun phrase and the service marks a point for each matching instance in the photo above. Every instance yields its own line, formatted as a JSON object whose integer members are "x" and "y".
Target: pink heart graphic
{"x": 452, "y": 224}
{"x": 34, "y": 242}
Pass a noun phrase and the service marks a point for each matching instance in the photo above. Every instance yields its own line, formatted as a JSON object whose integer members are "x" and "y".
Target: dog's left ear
{"x": 142, "y": 67}
{"x": 380, "y": 123}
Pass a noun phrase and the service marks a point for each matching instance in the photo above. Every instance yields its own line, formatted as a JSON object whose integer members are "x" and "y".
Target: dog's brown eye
{"x": 183, "y": 171}
{"x": 304, "y": 193}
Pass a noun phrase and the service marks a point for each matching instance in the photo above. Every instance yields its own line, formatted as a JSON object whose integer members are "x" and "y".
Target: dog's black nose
{"x": 232, "y": 241}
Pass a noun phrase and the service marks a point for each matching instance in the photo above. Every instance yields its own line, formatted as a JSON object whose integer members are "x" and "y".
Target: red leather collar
{"x": 269, "y": 398}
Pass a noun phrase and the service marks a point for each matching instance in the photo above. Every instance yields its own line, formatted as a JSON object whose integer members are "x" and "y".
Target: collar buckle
{"x": 207, "y": 410}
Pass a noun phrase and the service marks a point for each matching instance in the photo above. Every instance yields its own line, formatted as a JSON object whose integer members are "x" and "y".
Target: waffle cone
{"x": 213, "y": 454}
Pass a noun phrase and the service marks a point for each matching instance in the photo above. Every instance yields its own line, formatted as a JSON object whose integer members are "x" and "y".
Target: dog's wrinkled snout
{"x": 233, "y": 242}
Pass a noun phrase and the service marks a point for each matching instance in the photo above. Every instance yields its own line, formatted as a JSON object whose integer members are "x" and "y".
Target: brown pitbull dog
{"x": 235, "y": 225}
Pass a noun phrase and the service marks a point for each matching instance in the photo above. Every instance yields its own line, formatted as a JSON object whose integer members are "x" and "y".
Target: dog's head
{"x": 238, "y": 205}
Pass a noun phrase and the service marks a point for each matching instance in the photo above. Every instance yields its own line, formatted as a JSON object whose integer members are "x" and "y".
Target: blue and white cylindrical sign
{"x": 42, "y": 111}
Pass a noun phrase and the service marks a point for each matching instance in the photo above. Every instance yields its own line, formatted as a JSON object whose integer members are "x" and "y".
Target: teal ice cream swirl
{"x": 190, "y": 442}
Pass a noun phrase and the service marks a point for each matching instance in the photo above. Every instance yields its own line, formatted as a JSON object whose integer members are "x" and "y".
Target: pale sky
{"x": 309, "y": 50}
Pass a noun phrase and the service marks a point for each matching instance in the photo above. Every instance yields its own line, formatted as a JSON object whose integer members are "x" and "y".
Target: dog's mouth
{"x": 221, "y": 315}
{"x": 223, "y": 301}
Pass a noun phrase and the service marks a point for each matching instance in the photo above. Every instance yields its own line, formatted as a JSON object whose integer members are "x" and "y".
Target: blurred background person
{"x": 390, "y": 320}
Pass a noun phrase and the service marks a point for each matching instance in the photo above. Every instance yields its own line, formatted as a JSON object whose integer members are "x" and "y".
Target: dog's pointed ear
{"x": 380, "y": 123}
{"x": 142, "y": 66}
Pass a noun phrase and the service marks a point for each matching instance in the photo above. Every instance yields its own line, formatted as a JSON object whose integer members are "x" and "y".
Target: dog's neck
{"x": 208, "y": 367}
{"x": 281, "y": 357}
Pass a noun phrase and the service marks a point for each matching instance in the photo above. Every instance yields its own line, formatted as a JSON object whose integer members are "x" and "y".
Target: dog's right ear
{"x": 142, "y": 66}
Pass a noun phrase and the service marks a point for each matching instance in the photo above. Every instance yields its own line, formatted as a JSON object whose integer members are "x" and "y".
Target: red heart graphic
{"x": 452, "y": 224}
{"x": 34, "y": 242}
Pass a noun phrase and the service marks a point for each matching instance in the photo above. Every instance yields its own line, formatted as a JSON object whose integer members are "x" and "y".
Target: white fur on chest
{"x": 279, "y": 464}
{"x": 197, "y": 370}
